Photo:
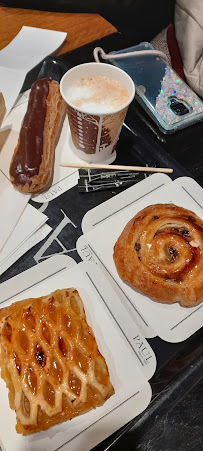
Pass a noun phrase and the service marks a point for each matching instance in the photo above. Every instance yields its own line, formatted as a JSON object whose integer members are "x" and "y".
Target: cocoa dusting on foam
{"x": 98, "y": 94}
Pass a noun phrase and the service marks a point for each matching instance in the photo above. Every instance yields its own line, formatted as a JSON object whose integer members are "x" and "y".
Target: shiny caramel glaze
{"x": 50, "y": 361}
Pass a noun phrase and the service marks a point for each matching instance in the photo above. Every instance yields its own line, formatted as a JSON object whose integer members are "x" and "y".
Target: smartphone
{"x": 159, "y": 90}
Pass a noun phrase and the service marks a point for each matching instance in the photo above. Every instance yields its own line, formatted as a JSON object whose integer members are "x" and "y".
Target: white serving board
{"x": 105, "y": 211}
{"x": 120, "y": 203}
{"x": 132, "y": 391}
{"x": 171, "y": 322}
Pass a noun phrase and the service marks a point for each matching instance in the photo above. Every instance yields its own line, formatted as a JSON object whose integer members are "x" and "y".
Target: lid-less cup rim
{"x": 125, "y": 105}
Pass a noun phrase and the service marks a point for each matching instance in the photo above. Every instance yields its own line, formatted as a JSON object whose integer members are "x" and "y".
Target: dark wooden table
{"x": 80, "y": 28}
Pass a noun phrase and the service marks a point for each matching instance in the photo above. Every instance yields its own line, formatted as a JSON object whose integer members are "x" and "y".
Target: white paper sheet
{"x": 12, "y": 205}
{"x": 171, "y": 322}
{"x": 34, "y": 239}
{"x": 25, "y": 51}
{"x": 30, "y": 221}
{"x": 132, "y": 391}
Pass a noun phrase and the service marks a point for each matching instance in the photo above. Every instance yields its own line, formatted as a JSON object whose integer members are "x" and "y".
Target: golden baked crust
{"x": 160, "y": 252}
{"x": 50, "y": 361}
{"x": 2, "y": 108}
{"x": 55, "y": 112}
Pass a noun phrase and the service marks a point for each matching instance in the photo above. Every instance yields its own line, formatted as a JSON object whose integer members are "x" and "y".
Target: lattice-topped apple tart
{"x": 50, "y": 361}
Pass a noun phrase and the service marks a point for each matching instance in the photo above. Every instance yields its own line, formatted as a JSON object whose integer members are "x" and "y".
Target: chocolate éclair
{"x": 31, "y": 167}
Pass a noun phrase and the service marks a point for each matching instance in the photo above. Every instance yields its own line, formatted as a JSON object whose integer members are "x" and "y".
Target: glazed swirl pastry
{"x": 160, "y": 252}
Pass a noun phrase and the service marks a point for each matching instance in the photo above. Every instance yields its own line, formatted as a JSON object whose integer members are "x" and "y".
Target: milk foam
{"x": 97, "y": 94}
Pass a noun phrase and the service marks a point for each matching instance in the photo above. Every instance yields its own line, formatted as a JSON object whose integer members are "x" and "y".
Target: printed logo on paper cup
{"x": 92, "y": 133}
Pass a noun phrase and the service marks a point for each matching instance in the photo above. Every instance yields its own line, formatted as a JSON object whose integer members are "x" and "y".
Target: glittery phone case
{"x": 160, "y": 91}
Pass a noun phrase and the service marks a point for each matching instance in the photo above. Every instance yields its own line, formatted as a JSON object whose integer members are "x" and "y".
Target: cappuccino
{"x": 97, "y": 94}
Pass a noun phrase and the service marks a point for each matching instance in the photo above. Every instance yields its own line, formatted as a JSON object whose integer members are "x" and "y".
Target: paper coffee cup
{"x": 94, "y": 135}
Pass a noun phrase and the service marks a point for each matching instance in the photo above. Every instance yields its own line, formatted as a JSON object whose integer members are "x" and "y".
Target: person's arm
{"x": 189, "y": 35}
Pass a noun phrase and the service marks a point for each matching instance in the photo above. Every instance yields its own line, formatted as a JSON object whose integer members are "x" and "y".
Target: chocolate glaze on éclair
{"x": 32, "y": 163}
{"x": 27, "y": 160}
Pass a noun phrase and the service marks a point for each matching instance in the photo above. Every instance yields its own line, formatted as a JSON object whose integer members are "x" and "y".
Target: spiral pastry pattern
{"x": 160, "y": 252}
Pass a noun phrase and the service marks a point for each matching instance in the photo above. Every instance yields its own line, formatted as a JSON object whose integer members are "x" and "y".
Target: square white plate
{"x": 132, "y": 391}
{"x": 171, "y": 322}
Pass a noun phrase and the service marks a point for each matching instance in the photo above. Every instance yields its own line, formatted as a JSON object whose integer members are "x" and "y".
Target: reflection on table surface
{"x": 80, "y": 28}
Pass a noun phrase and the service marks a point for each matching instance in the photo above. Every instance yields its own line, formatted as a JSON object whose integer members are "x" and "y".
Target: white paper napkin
{"x": 28, "y": 48}
{"x": 34, "y": 239}
{"x": 30, "y": 221}
{"x": 12, "y": 204}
